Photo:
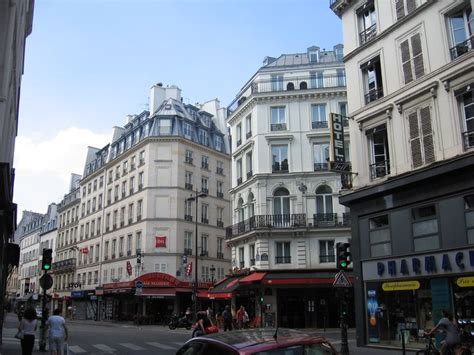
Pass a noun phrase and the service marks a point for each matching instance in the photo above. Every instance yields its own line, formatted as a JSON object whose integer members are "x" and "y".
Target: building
{"x": 16, "y": 21}
{"x": 286, "y": 216}
{"x": 409, "y": 67}
{"x": 136, "y": 224}
{"x": 66, "y": 250}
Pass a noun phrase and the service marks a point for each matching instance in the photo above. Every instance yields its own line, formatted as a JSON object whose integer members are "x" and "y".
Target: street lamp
{"x": 195, "y": 197}
{"x": 213, "y": 272}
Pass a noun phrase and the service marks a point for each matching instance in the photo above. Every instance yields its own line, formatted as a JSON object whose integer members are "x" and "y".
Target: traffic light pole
{"x": 42, "y": 342}
{"x": 343, "y": 323}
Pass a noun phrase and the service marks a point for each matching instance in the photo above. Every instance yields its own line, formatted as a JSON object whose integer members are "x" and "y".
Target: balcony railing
{"x": 64, "y": 265}
{"x": 239, "y": 181}
{"x": 220, "y": 224}
{"x": 368, "y": 34}
{"x": 139, "y": 217}
{"x": 327, "y": 258}
{"x": 188, "y": 160}
{"x": 220, "y": 255}
{"x": 242, "y": 264}
{"x": 468, "y": 138}
{"x": 188, "y": 217}
{"x": 239, "y": 142}
{"x": 319, "y": 124}
{"x": 220, "y": 194}
{"x": 373, "y": 94}
{"x": 188, "y": 251}
{"x": 204, "y": 253}
{"x": 379, "y": 169}
{"x": 188, "y": 186}
{"x": 220, "y": 171}
{"x": 462, "y": 48}
{"x": 282, "y": 259}
{"x": 321, "y": 166}
{"x": 325, "y": 220}
{"x": 205, "y": 190}
{"x": 278, "y": 127}
{"x": 308, "y": 82}
{"x": 204, "y": 220}
{"x": 205, "y": 165}
{"x": 280, "y": 167}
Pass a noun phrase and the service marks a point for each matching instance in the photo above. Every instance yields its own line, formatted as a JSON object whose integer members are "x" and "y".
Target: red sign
{"x": 129, "y": 268}
{"x": 84, "y": 250}
{"x": 160, "y": 241}
{"x": 189, "y": 268}
{"x": 156, "y": 279}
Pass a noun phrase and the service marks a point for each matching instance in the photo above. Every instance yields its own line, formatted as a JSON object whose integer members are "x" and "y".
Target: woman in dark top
{"x": 201, "y": 324}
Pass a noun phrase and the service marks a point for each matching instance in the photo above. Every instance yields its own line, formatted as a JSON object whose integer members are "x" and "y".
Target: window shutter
{"x": 427, "y": 135}
{"x": 417, "y": 55}
{"x": 415, "y": 143}
{"x": 411, "y": 5}
{"x": 406, "y": 62}
{"x": 400, "y": 9}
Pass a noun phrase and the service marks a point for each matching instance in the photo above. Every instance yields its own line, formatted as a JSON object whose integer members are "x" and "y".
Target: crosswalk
{"x": 9, "y": 338}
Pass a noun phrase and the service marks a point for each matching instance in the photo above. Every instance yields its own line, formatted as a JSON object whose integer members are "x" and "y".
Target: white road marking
{"x": 179, "y": 343}
{"x": 103, "y": 347}
{"x": 77, "y": 349}
{"x": 131, "y": 346}
{"x": 161, "y": 346}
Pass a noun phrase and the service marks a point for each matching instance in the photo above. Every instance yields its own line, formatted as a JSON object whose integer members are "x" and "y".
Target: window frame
{"x": 426, "y": 235}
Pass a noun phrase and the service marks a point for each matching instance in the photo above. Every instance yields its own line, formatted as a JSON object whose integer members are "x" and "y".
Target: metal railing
{"x": 289, "y": 83}
{"x": 327, "y": 258}
{"x": 278, "y": 127}
{"x": 220, "y": 255}
{"x": 373, "y": 95}
{"x": 282, "y": 259}
{"x": 328, "y": 220}
{"x": 188, "y": 251}
{"x": 280, "y": 167}
{"x": 319, "y": 124}
{"x": 249, "y": 174}
{"x": 468, "y": 139}
{"x": 220, "y": 194}
{"x": 321, "y": 166}
{"x": 188, "y": 217}
{"x": 220, "y": 224}
{"x": 248, "y": 134}
{"x": 220, "y": 171}
{"x": 379, "y": 169}
{"x": 368, "y": 34}
{"x": 64, "y": 265}
{"x": 266, "y": 221}
{"x": 462, "y": 48}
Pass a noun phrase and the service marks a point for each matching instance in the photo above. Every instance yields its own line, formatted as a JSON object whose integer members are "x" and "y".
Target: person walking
{"x": 227, "y": 315}
{"x": 28, "y": 326}
{"x": 240, "y": 317}
{"x": 57, "y": 333}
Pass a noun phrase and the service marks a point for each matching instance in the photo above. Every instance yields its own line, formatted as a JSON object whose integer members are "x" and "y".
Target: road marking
{"x": 103, "y": 347}
{"x": 179, "y": 343}
{"x": 76, "y": 349}
{"x": 161, "y": 346}
{"x": 131, "y": 346}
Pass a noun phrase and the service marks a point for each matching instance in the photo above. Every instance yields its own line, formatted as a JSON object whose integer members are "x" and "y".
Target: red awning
{"x": 203, "y": 294}
{"x": 158, "y": 292}
{"x": 220, "y": 296}
{"x": 255, "y": 277}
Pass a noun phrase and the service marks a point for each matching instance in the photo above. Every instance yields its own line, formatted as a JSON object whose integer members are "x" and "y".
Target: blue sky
{"x": 89, "y": 63}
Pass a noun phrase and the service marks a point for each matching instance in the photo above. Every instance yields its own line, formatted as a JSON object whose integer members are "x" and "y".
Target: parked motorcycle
{"x": 177, "y": 322}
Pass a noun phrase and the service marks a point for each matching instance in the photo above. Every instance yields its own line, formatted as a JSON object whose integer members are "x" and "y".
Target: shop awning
{"x": 220, "y": 296}
{"x": 255, "y": 277}
{"x": 287, "y": 278}
{"x": 227, "y": 285}
{"x": 118, "y": 290}
{"x": 165, "y": 292}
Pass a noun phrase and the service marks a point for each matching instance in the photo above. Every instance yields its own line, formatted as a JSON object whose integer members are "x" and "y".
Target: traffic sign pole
{"x": 342, "y": 282}
{"x": 46, "y": 283}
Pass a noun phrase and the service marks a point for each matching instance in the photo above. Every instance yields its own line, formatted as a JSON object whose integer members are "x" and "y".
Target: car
{"x": 264, "y": 341}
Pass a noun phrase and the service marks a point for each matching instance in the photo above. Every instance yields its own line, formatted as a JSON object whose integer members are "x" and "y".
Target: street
{"x": 95, "y": 338}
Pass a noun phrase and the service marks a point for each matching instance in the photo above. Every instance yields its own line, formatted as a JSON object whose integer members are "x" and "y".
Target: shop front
{"x": 84, "y": 305}
{"x": 406, "y": 296}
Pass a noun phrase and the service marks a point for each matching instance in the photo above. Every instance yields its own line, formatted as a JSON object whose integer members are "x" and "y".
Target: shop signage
{"x": 160, "y": 241}
{"x": 74, "y": 285}
{"x": 465, "y": 281}
{"x": 129, "y": 268}
{"x": 453, "y": 262}
{"x": 400, "y": 286}
{"x": 337, "y": 137}
{"x": 77, "y": 294}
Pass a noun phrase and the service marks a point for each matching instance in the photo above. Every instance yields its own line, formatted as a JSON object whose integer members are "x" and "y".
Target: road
{"x": 98, "y": 338}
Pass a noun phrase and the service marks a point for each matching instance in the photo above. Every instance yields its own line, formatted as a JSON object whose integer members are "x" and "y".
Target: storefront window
{"x": 425, "y": 228}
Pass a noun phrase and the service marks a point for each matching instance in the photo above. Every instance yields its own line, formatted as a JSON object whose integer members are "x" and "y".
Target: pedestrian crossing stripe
{"x": 131, "y": 346}
{"x": 161, "y": 346}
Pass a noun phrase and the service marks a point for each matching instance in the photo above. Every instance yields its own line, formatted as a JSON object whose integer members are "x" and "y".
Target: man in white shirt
{"x": 57, "y": 333}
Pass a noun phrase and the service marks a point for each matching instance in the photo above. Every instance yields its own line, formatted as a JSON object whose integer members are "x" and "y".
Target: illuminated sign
{"x": 465, "y": 281}
{"x": 401, "y": 286}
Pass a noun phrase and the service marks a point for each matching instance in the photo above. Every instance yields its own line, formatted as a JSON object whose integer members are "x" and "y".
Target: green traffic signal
{"x": 343, "y": 264}
{"x": 46, "y": 266}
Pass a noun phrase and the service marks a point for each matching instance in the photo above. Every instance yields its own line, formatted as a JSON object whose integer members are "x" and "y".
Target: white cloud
{"x": 43, "y": 166}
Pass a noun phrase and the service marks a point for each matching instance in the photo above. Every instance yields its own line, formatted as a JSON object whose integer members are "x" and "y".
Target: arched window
{"x": 281, "y": 201}
{"x": 251, "y": 205}
{"x": 324, "y": 205}
{"x": 303, "y": 85}
{"x": 290, "y": 86}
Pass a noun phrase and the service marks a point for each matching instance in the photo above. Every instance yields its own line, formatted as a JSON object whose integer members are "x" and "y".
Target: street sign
{"x": 341, "y": 280}
{"x": 46, "y": 282}
{"x": 139, "y": 284}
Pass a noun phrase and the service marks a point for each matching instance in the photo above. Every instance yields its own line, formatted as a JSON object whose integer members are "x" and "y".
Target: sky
{"x": 89, "y": 63}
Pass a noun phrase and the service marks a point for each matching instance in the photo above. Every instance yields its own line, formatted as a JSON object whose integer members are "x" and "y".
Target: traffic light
{"x": 47, "y": 259}
{"x": 344, "y": 257}
{"x": 139, "y": 257}
{"x": 261, "y": 299}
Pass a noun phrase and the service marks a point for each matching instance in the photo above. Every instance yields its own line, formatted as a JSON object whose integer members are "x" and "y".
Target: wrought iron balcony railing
{"x": 368, "y": 34}
{"x": 327, "y": 220}
{"x": 278, "y": 127}
{"x": 468, "y": 138}
{"x": 64, "y": 265}
{"x": 280, "y": 167}
{"x": 220, "y": 194}
{"x": 373, "y": 94}
{"x": 188, "y": 186}
{"x": 462, "y": 48}
{"x": 321, "y": 166}
{"x": 188, "y": 251}
{"x": 220, "y": 255}
{"x": 282, "y": 259}
{"x": 319, "y": 124}
{"x": 379, "y": 169}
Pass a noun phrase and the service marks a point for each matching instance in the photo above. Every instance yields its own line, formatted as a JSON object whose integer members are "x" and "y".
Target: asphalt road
{"x": 97, "y": 338}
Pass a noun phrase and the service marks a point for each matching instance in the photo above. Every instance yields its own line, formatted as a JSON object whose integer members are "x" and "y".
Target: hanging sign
{"x": 336, "y": 128}
{"x": 160, "y": 241}
{"x": 129, "y": 268}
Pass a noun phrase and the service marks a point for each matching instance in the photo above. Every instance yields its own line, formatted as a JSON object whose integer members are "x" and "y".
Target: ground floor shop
{"x": 84, "y": 305}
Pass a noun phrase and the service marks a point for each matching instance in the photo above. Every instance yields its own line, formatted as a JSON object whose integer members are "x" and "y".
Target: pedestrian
{"x": 234, "y": 317}
{"x": 201, "y": 324}
{"x": 240, "y": 317}
{"x": 447, "y": 325}
{"x": 227, "y": 316}
{"x": 246, "y": 319}
{"x": 28, "y": 326}
{"x": 57, "y": 333}
{"x": 210, "y": 313}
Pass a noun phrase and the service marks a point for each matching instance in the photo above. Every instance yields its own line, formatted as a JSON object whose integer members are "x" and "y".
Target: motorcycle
{"x": 177, "y": 322}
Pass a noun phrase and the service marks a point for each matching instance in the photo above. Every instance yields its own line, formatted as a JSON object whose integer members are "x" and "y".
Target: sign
{"x": 336, "y": 129}
{"x": 154, "y": 279}
{"x": 93, "y": 298}
{"x": 400, "y": 286}
{"x": 46, "y": 282}
{"x": 437, "y": 264}
{"x": 84, "y": 250}
{"x": 138, "y": 284}
{"x": 160, "y": 241}
{"x": 189, "y": 268}
{"x": 465, "y": 281}
{"x": 341, "y": 280}
{"x": 138, "y": 291}
{"x": 74, "y": 285}
{"x": 77, "y": 294}
{"x": 129, "y": 268}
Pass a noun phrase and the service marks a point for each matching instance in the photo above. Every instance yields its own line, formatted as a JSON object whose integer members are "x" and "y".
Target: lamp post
{"x": 195, "y": 197}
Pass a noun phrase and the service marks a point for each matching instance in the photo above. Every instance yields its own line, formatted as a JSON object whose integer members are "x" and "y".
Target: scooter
{"x": 177, "y": 322}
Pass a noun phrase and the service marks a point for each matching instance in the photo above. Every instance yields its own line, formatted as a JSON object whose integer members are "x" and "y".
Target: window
{"x": 99, "y": 201}
{"x": 341, "y": 77}
{"x": 412, "y": 58}
{"x": 188, "y": 243}
{"x": 220, "y": 213}
{"x": 204, "y": 213}
{"x": 124, "y": 188}
{"x": 461, "y": 27}
{"x": 106, "y": 250}
{"x": 425, "y": 228}
{"x": 125, "y": 166}
{"x": 317, "y": 79}
{"x": 220, "y": 192}
{"x": 283, "y": 255}
{"x": 326, "y": 251}
{"x": 248, "y": 160}
{"x": 252, "y": 254}
{"x": 116, "y": 192}
{"x": 141, "y": 180}
{"x": 239, "y": 171}
{"x": 379, "y": 236}
{"x": 372, "y": 76}
{"x": 241, "y": 257}
{"x": 112, "y": 275}
{"x": 405, "y": 7}
{"x": 469, "y": 208}
{"x": 280, "y": 158}
{"x": 218, "y": 143}
{"x": 205, "y": 162}
{"x": 129, "y": 244}
{"x": 114, "y": 248}
{"x": 133, "y": 163}
{"x": 277, "y": 82}
{"x": 379, "y": 152}
{"x": 281, "y": 205}
{"x": 421, "y": 137}
{"x": 367, "y": 18}
{"x": 321, "y": 156}
{"x": 324, "y": 204}
{"x": 121, "y": 244}
{"x": 187, "y": 130}
{"x": 188, "y": 210}
{"x": 343, "y": 109}
{"x": 139, "y": 241}
{"x": 204, "y": 240}
{"x": 220, "y": 247}
{"x": 188, "y": 158}
{"x": 277, "y": 115}
{"x": 130, "y": 213}
{"x": 203, "y": 137}
{"x": 132, "y": 185}
{"x": 467, "y": 107}
{"x": 115, "y": 217}
{"x": 105, "y": 275}
{"x": 161, "y": 267}
{"x": 248, "y": 126}
{"x": 139, "y": 209}
{"x": 204, "y": 184}
{"x": 141, "y": 157}
{"x": 238, "y": 134}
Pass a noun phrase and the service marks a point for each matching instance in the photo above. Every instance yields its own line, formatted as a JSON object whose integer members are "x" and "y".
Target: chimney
{"x": 173, "y": 92}
{"x": 157, "y": 96}
{"x": 129, "y": 118}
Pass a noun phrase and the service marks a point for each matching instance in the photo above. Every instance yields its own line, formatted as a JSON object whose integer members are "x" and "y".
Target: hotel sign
{"x": 436, "y": 264}
{"x": 336, "y": 127}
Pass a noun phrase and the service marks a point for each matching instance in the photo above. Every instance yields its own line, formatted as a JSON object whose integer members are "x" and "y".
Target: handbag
{"x": 212, "y": 329}
{"x": 20, "y": 334}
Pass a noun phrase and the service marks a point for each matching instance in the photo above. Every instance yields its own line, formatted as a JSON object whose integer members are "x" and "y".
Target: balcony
{"x": 205, "y": 190}
{"x": 188, "y": 160}
{"x": 279, "y": 221}
{"x": 220, "y": 255}
{"x": 278, "y": 127}
{"x": 220, "y": 171}
{"x": 205, "y": 165}
{"x": 204, "y": 253}
{"x": 468, "y": 139}
{"x": 327, "y": 258}
{"x": 188, "y": 217}
{"x": 248, "y": 134}
{"x": 242, "y": 264}
{"x": 188, "y": 186}
{"x": 220, "y": 224}
{"x": 379, "y": 169}
{"x": 220, "y": 194}
{"x": 131, "y": 191}
{"x": 462, "y": 48}
{"x": 249, "y": 174}
{"x": 120, "y": 254}
{"x": 368, "y": 34}
{"x": 321, "y": 166}
{"x": 319, "y": 124}
{"x": 280, "y": 167}
{"x": 373, "y": 94}
{"x": 188, "y": 251}
{"x": 64, "y": 265}
{"x": 129, "y": 252}
{"x": 328, "y": 220}
{"x": 204, "y": 220}
{"x": 282, "y": 259}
